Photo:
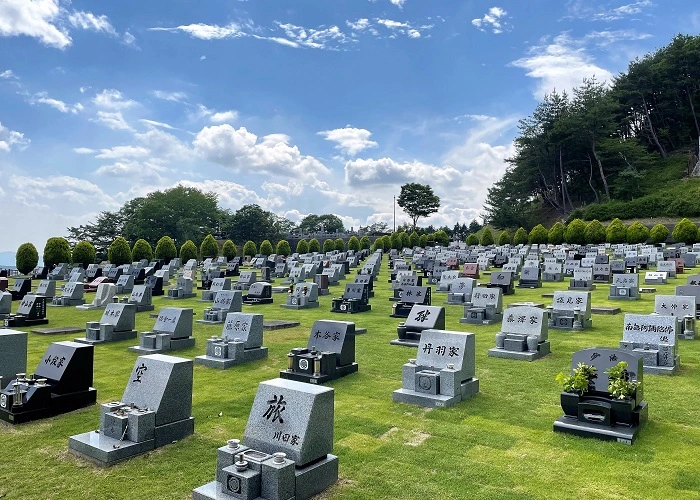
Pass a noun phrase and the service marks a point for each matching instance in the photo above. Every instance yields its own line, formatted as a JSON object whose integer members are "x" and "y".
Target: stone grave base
{"x": 664, "y": 370}
{"x": 309, "y": 305}
{"x": 688, "y": 335}
{"x": 22, "y": 321}
{"x": 610, "y": 297}
{"x": 340, "y": 371}
{"x": 647, "y": 290}
{"x": 360, "y": 331}
{"x": 588, "y": 323}
{"x": 279, "y": 324}
{"x": 59, "y": 404}
{"x": 539, "y": 305}
{"x": 405, "y": 342}
{"x": 528, "y": 284}
{"x": 105, "y": 451}
{"x": 145, "y": 308}
{"x": 605, "y": 310}
{"x": 257, "y": 302}
{"x": 115, "y": 337}
{"x": 70, "y": 303}
{"x": 58, "y": 330}
{"x": 280, "y": 289}
{"x": 453, "y": 303}
{"x": 222, "y": 364}
{"x": 547, "y": 295}
{"x": 175, "y": 345}
{"x": 467, "y": 390}
{"x": 309, "y": 481}
{"x": 184, "y": 296}
{"x": 207, "y": 322}
{"x": 89, "y": 307}
{"x": 496, "y": 319}
{"x": 582, "y": 288}
{"x": 542, "y": 350}
{"x": 621, "y": 434}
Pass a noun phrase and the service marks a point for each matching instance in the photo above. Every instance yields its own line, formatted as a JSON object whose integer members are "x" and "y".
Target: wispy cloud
{"x": 8, "y": 75}
{"x": 583, "y": 9}
{"x": 207, "y": 31}
{"x": 170, "y": 96}
{"x": 43, "y": 98}
{"x": 11, "y": 138}
{"x": 494, "y": 20}
{"x": 350, "y": 140}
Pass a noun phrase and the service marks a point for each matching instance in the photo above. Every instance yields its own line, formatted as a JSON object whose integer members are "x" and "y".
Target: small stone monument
{"x": 245, "y": 280}
{"x": 421, "y": 318}
{"x": 364, "y": 279}
{"x": 329, "y": 354}
{"x": 258, "y": 293}
{"x": 461, "y": 291}
{"x": 355, "y": 299}
{"x": 409, "y": 296}
{"x": 225, "y": 301}
{"x": 302, "y": 296}
{"x": 61, "y": 383}
{"x": 140, "y": 297}
{"x": 443, "y": 373}
{"x": 240, "y": 342}
{"x": 72, "y": 295}
{"x": 530, "y": 278}
{"x": 172, "y": 331}
{"x": 117, "y": 324}
{"x": 653, "y": 338}
{"x": 31, "y": 312}
{"x": 485, "y": 308}
{"x": 523, "y": 334}
{"x": 155, "y": 410}
{"x": 582, "y": 280}
{"x": 286, "y": 450}
{"x": 570, "y": 311}
{"x": 624, "y": 287}
{"x": 683, "y": 309}
{"x": 217, "y": 284}
{"x": 47, "y": 288}
{"x": 502, "y": 280}
{"x": 13, "y": 355}
{"x": 106, "y": 294}
{"x": 182, "y": 289}
{"x": 595, "y": 412}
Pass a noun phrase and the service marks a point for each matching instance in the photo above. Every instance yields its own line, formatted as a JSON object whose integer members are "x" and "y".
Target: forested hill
{"x": 610, "y": 149}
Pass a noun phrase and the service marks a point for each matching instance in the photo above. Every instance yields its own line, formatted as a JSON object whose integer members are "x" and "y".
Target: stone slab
{"x": 58, "y": 330}
{"x": 544, "y": 349}
{"x": 605, "y": 310}
{"x": 222, "y": 364}
{"x": 278, "y": 324}
{"x": 647, "y": 290}
{"x": 624, "y": 435}
{"x": 467, "y": 390}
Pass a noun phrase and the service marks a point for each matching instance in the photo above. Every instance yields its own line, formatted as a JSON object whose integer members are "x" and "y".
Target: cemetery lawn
{"x": 499, "y": 444}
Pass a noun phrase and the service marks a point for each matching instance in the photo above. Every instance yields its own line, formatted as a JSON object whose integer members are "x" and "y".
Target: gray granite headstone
{"x": 334, "y": 336}
{"x": 176, "y": 321}
{"x": 245, "y": 327}
{"x": 426, "y": 317}
{"x": 525, "y": 320}
{"x": 674, "y": 305}
{"x": 604, "y": 358}
{"x": 291, "y": 417}
{"x": 13, "y": 355}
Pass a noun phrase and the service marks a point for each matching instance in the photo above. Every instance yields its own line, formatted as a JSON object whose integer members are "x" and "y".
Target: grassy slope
{"x": 499, "y": 444}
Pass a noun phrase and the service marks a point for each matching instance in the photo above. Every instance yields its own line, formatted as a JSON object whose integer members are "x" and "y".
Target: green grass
{"x": 499, "y": 444}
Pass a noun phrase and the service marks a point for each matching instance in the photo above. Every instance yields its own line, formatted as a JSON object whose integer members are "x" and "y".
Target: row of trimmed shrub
{"x": 579, "y": 232}
{"x": 58, "y": 250}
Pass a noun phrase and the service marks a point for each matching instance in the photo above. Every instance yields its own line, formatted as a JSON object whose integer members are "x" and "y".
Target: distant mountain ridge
{"x": 7, "y": 259}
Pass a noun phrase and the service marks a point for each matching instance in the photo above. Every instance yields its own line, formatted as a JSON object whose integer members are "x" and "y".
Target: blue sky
{"x": 311, "y": 106}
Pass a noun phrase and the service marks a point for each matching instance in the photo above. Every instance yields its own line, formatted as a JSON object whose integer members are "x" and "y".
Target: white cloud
{"x": 350, "y": 140}
{"x": 66, "y": 189}
{"x": 84, "y": 151}
{"x": 111, "y": 99}
{"x": 202, "y": 58}
{"x": 112, "y": 119}
{"x": 359, "y": 25}
{"x": 170, "y": 96}
{"x": 363, "y": 172}
{"x": 123, "y": 152}
{"x": 401, "y": 28}
{"x": 129, "y": 39}
{"x": 398, "y": 3}
{"x": 224, "y": 116}
{"x": 241, "y": 151}
{"x": 583, "y": 9}
{"x": 207, "y": 31}
{"x": 232, "y": 195}
{"x": 322, "y": 38}
{"x": 91, "y": 22}
{"x": 43, "y": 98}
{"x": 8, "y": 75}
{"x": 142, "y": 170}
{"x": 10, "y": 138}
{"x": 561, "y": 64}
{"x": 156, "y": 124}
{"x": 493, "y": 20}
{"x": 36, "y": 19}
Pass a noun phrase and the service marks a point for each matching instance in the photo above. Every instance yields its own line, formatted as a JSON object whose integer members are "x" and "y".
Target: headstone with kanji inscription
{"x": 172, "y": 331}
{"x": 31, "y": 311}
{"x": 530, "y": 277}
{"x": 355, "y": 299}
{"x": 155, "y": 410}
{"x": 653, "y": 337}
{"x": 461, "y": 291}
{"x": 655, "y": 278}
{"x": 240, "y": 342}
{"x": 485, "y": 308}
{"x": 61, "y": 383}
{"x": 245, "y": 280}
{"x": 624, "y": 287}
{"x": 329, "y": 354}
{"x": 443, "y": 373}
{"x": 570, "y": 310}
{"x": 582, "y": 280}
{"x": 71, "y": 295}
{"x": 502, "y": 280}
{"x": 420, "y": 318}
{"x": 409, "y": 296}
{"x": 225, "y": 301}
{"x": 596, "y": 412}
{"x": 683, "y": 308}
{"x": 117, "y": 323}
{"x": 141, "y": 296}
{"x": 217, "y": 284}
{"x": 302, "y": 296}
{"x": 13, "y": 354}
{"x": 553, "y": 271}
{"x": 286, "y": 449}
{"x": 523, "y": 334}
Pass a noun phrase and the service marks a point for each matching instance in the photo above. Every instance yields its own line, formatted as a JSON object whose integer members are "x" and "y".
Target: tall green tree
{"x": 56, "y": 251}
{"x": 328, "y": 223}
{"x": 83, "y": 254}
{"x": 302, "y": 246}
{"x": 229, "y": 250}
{"x": 418, "y": 200}
{"x": 143, "y": 250}
{"x": 119, "y": 252}
{"x": 166, "y": 250}
{"x": 250, "y": 249}
{"x": 314, "y": 245}
{"x": 354, "y": 244}
{"x": 209, "y": 247}
{"x": 26, "y": 258}
{"x": 266, "y": 248}
{"x": 283, "y": 248}
{"x": 188, "y": 251}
